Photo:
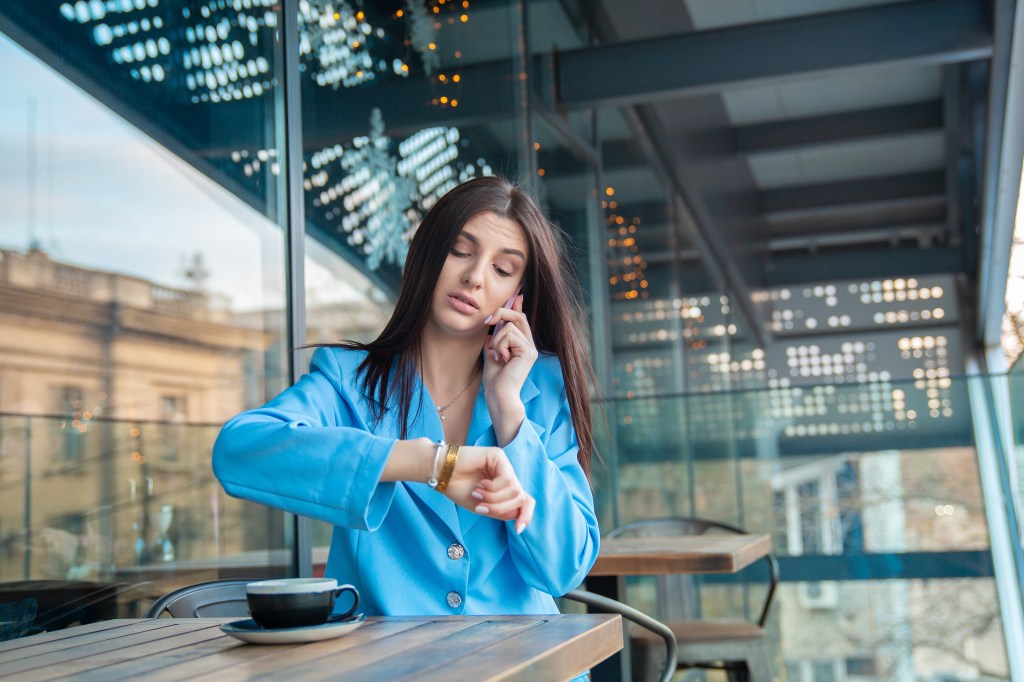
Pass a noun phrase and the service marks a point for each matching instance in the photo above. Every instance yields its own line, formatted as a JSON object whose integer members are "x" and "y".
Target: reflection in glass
{"x": 142, "y": 303}
{"x": 900, "y": 527}
{"x": 392, "y": 121}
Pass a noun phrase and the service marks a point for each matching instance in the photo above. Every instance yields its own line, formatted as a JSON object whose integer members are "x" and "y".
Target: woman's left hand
{"x": 508, "y": 359}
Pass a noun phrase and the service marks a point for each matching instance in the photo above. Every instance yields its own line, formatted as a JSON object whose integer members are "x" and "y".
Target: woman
{"x": 368, "y": 439}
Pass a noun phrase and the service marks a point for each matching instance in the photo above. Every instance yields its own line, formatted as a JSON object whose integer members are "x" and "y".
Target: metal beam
{"x": 864, "y": 263}
{"x": 294, "y": 214}
{"x": 867, "y": 191}
{"x": 924, "y": 235}
{"x": 701, "y": 62}
{"x": 691, "y": 211}
{"x": 851, "y": 218}
{"x": 954, "y": 118}
{"x": 843, "y": 127}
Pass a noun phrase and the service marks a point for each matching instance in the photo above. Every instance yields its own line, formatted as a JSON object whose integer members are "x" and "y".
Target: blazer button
{"x": 456, "y": 551}
{"x": 454, "y": 600}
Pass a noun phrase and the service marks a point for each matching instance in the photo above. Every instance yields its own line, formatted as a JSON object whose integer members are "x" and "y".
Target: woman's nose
{"x": 473, "y": 276}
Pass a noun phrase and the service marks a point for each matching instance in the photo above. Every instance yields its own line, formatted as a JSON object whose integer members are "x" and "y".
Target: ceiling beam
{"x": 925, "y": 235}
{"x": 842, "y": 127}
{"x": 852, "y": 218}
{"x": 847, "y": 192}
{"x": 861, "y": 263}
{"x": 701, "y": 62}
{"x": 837, "y": 263}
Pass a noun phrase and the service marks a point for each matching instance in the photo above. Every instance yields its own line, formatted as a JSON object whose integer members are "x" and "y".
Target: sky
{"x": 89, "y": 162}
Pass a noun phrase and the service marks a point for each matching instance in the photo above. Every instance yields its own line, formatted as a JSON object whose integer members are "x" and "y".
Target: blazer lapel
{"x": 427, "y": 423}
{"x": 481, "y": 433}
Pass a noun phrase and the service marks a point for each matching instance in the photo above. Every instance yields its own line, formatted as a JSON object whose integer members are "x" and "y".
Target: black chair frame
{"x": 216, "y": 598}
{"x": 601, "y": 603}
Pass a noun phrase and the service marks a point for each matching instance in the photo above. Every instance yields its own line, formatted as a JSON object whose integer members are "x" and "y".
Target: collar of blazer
{"x": 481, "y": 433}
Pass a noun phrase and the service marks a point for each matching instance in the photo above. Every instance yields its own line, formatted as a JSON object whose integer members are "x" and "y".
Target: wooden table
{"x": 620, "y": 557}
{"x": 555, "y": 647}
{"x": 681, "y": 554}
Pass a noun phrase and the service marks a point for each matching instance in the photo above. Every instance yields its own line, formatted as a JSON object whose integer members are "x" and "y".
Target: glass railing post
{"x": 999, "y": 511}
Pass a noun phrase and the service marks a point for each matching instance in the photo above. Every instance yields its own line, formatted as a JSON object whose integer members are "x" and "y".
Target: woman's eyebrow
{"x": 476, "y": 242}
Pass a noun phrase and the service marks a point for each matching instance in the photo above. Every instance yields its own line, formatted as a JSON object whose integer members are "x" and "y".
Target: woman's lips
{"x": 462, "y": 306}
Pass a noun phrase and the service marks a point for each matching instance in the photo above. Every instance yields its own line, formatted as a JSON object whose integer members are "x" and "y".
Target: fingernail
{"x": 520, "y": 527}
{"x": 481, "y": 509}
{"x": 488, "y": 318}
{"x": 495, "y": 356}
{"x": 476, "y": 496}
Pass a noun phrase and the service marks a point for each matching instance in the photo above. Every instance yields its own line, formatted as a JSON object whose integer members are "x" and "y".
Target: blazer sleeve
{"x": 559, "y": 547}
{"x": 309, "y": 451}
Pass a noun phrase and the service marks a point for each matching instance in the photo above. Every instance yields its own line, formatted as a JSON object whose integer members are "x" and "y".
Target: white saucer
{"x": 248, "y": 631}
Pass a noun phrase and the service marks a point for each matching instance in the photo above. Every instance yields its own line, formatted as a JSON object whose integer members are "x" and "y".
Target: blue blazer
{"x": 313, "y": 450}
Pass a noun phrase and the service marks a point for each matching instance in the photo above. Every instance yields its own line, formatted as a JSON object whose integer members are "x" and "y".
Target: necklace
{"x": 442, "y": 408}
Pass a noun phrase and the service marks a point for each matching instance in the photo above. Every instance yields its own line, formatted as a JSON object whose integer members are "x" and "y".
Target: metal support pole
{"x": 522, "y": 110}
{"x": 295, "y": 252}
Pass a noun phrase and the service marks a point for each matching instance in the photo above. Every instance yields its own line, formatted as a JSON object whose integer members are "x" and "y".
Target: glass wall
{"x": 883, "y": 544}
{"x": 401, "y": 103}
{"x": 1016, "y": 455}
{"x": 142, "y": 280}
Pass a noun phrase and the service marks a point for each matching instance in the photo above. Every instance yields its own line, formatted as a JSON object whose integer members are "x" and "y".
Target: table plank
{"x": 55, "y": 635}
{"x": 151, "y": 665}
{"x": 680, "y": 554}
{"x": 96, "y": 666}
{"x": 69, "y": 639}
{"x": 280, "y": 662}
{"x": 86, "y": 653}
{"x": 529, "y": 656}
{"x": 442, "y": 652}
{"x": 396, "y": 646}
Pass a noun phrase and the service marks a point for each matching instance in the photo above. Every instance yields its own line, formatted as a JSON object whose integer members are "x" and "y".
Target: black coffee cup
{"x": 296, "y": 602}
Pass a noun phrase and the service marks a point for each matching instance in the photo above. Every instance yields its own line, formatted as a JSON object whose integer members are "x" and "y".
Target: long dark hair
{"x": 552, "y": 302}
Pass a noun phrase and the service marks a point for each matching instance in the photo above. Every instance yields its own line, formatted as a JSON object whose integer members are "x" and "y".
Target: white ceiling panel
{"x": 849, "y": 161}
{"x": 860, "y": 89}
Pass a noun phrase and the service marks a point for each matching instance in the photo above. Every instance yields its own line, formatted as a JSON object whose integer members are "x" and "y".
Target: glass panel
{"x": 1016, "y": 390}
{"x": 141, "y": 266}
{"x": 566, "y": 186}
{"x": 894, "y": 630}
{"x": 865, "y": 487}
{"x": 401, "y": 102}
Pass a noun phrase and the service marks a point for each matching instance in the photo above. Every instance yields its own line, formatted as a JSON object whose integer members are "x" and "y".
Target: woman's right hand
{"x": 485, "y": 482}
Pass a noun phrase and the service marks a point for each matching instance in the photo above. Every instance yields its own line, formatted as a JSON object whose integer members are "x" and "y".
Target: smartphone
{"x": 508, "y": 304}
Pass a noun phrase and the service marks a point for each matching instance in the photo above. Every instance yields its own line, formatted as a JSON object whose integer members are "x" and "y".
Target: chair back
{"x": 598, "y": 603}
{"x": 678, "y": 597}
{"x": 214, "y": 599}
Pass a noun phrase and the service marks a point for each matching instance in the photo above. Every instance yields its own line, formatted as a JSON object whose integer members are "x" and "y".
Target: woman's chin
{"x": 462, "y": 328}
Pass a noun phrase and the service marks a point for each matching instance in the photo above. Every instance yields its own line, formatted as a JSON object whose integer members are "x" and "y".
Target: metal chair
{"x": 600, "y": 603}
{"x": 737, "y": 646}
{"x": 214, "y": 599}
